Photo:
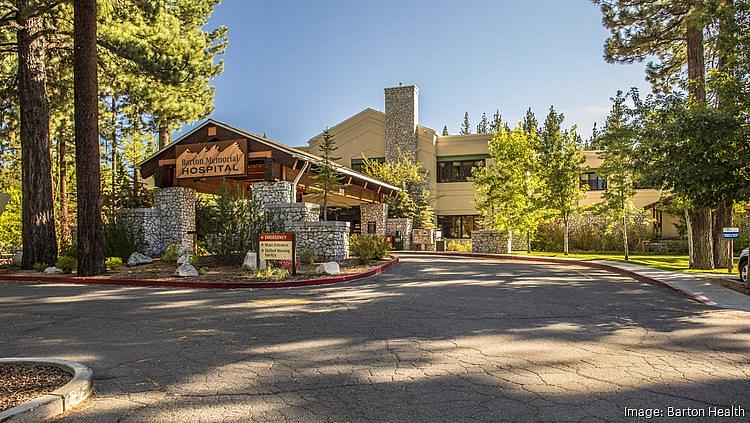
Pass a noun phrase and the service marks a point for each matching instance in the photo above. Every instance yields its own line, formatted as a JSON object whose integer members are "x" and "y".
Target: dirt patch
{"x": 20, "y": 383}
{"x": 214, "y": 270}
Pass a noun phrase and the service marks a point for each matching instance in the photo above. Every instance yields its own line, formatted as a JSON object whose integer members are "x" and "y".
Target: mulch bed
{"x": 20, "y": 383}
{"x": 215, "y": 270}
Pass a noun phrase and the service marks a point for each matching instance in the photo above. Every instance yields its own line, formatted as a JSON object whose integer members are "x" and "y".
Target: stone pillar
{"x": 145, "y": 226}
{"x": 373, "y": 213}
{"x": 271, "y": 192}
{"x": 293, "y": 212}
{"x": 401, "y": 120}
{"x": 176, "y": 207}
{"x": 326, "y": 240}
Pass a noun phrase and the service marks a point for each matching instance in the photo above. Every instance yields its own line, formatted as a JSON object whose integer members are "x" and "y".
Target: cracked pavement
{"x": 432, "y": 339}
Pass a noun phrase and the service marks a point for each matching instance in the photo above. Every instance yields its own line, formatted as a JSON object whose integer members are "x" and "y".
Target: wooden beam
{"x": 167, "y": 162}
{"x": 259, "y": 154}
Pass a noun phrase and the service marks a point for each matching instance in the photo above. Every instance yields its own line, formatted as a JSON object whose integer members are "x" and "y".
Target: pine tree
{"x": 529, "y": 122}
{"x": 445, "y": 131}
{"x": 466, "y": 126}
{"x": 497, "y": 122}
{"x": 326, "y": 176}
{"x": 484, "y": 125}
{"x": 90, "y": 237}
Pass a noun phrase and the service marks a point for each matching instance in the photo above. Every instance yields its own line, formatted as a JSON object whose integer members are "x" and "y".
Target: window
{"x": 457, "y": 169}
{"x": 359, "y": 164}
{"x": 457, "y": 226}
{"x": 594, "y": 181}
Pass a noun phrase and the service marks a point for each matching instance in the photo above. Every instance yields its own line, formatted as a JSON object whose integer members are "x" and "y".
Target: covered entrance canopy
{"x": 214, "y": 152}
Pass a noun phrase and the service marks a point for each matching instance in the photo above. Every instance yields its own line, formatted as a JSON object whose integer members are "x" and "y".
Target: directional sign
{"x": 730, "y": 233}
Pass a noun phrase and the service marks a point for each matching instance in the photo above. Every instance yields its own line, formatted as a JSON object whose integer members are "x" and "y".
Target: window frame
{"x": 458, "y": 163}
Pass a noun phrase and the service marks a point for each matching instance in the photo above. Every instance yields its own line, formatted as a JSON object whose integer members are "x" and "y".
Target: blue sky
{"x": 294, "y": 67}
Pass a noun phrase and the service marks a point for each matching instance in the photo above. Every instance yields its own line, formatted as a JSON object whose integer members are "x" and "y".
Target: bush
{"x": 306, "y": 256}
{"x": 67, "y": 264}
{"x": 120, "y": 240}
{"x": 70, "y": 250}
{"x": 10, "y": 223}
{"x": 228, "y": 224}
{"x": 113, "y": 262}
{"x": 591, "y": 232}
{"x": 462, "y": 246}
{"x": 368, "y": 247}
{"x": 172, "y": 253}
{"x": 271, "y": 273}
{"x": 39, "y": 267}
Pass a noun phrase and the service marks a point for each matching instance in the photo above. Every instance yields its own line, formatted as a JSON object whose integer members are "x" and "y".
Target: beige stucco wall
{"x": 362, "y": 135}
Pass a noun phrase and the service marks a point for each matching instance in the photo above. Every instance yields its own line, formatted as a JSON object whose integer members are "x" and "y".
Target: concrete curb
{"x": 58, "y": 401}
{"x": 596, "y": 265}
{"x": 199, "y": 284}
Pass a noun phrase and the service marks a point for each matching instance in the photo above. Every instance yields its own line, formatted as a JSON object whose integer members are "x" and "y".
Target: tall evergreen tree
{"x": 90, "y": 237}
{"x": 465, "y": 126}
{"x": 562, "y": 163}
{"x": 530, "y": 123}
{"x": 497, "y": 122}
{"x": 445, "y": 131}
{"x": 483, "y": 127}
{"x": 326, "y": 175}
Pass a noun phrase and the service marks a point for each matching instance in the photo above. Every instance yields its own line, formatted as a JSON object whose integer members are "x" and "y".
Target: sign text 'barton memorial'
{"x": 222, "y": 158}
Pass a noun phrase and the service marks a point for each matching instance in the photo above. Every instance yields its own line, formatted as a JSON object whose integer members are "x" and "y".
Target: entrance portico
{"x": 279, "y": 178}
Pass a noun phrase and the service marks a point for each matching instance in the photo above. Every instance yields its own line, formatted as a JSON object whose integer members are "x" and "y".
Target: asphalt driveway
{"x": 433, "y": 339}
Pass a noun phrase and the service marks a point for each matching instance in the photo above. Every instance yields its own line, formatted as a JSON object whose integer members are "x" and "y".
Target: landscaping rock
{"x": 185, "y": 258}
{"x": 17, "y": 258}
{"x": 53, "y": 271}
{"x": 137, "y": 259}
{"x": 329, "y": 268}
{"x": 186, "y": 270}
{"x": 251, "y": 261}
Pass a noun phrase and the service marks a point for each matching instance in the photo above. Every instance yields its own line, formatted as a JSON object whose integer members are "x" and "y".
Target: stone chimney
{"x": 401, "y": 119}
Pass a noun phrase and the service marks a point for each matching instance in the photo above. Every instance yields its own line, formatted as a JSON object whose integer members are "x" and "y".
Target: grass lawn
{"x": 665, "y": 262}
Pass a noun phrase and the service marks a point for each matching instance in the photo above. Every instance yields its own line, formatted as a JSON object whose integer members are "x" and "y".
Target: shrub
{"x": 591, "y": 232}
{"x": 368, "y": 247}
{"x": 462, "y": 246}
{"x": 120, "y": 240}
{"x": 228, "y": 224}
{"x": 39, "y": 267}
{"x": 172, "y": 253}
{"x": 70, "y": 250}
{"x": 307, "y": 256}
{"x": 113, "y": 262}
{"x": 10, "y": 223}
{"x": 67, "y": 264}
{"x": 271, "y": 273}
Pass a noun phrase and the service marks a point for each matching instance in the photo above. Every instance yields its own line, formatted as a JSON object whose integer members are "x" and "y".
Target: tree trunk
{"x": 86, "y": 87}
{"x": 625, "y": 235}
{"x": 64, "y": 220}
{"x": 722, "y": 218}
{"x": 566, "y": 229}
{"x": 528, "y": 241}
{"x": 700, "y": 225}
{"x": 114, "y": 156}
{"x": 38, "y": 221}
{"x": 696, "y": 65}
{"x": 689, "y": 234}
{"x": 165, "y": 136}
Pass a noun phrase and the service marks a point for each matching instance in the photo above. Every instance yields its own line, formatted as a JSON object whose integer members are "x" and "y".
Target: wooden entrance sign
{"x": 224, "y": 158}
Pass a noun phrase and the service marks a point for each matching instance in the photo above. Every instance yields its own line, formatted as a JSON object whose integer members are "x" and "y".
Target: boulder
{"x": 328, "y": 268}
{"x": 186, "y": 270}
{"x": 17, "y": 258}
{"x": 137, "y": 259}
{"x": 53, "y": 271}
{"x": 251, "y": 261}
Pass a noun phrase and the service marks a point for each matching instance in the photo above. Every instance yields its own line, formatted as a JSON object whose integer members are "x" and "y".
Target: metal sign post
{"x": 730, "y": 234}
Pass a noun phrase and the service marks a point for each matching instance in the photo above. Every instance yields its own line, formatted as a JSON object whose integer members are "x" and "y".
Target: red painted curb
{"x": 607, "y": 267}
{"x": 198, "y": 284}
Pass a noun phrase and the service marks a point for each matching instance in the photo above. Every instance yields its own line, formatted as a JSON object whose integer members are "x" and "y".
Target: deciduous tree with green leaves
{"x": 562, "y": 162}
{"x": 508, "y": 187}
{"x": 617, "y": 142}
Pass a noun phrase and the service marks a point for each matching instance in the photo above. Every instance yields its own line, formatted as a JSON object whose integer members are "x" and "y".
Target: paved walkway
{"x": 435, "y": 339}
{"x": 692, "y": 283}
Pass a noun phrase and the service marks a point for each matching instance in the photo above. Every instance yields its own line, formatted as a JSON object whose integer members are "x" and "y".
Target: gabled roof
{"x": 297, "y": 154}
